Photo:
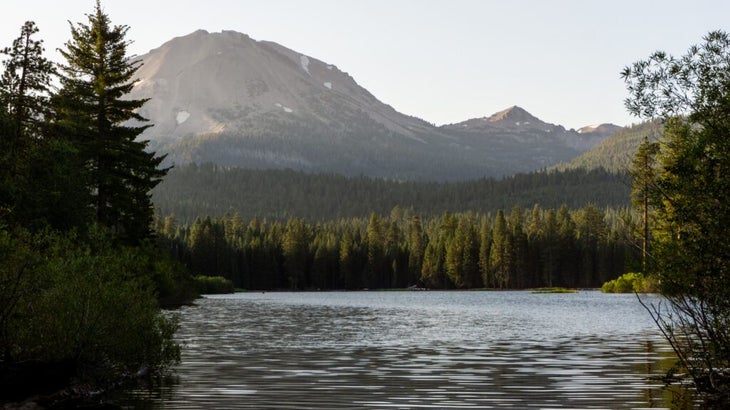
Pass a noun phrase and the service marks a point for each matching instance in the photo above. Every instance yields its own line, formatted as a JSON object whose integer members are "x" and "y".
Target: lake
{"x": 411, "y": 349}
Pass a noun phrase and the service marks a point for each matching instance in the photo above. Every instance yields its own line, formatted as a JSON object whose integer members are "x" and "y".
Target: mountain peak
{"x": 515, "y": 117}
{"x": 512, "y": 113}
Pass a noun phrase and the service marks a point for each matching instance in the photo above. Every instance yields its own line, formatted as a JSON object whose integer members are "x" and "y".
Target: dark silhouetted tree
{"x": 93, "y": 111}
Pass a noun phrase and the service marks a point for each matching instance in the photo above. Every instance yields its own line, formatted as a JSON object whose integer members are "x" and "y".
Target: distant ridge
{"x": 616, "y": 152}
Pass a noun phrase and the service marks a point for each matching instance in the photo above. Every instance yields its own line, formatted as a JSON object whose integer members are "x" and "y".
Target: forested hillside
{"x": 616, "y": 152}
{"x": 193, "y": 191}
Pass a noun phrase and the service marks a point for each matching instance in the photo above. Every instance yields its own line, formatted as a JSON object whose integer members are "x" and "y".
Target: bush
{"x": 95, "y": 308}
{"x": 213, "y": 285}
{"x": 174, "y": 285}
{"x": 629, "y": 283}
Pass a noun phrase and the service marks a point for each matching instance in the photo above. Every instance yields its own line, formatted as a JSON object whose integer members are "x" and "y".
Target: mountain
{"x": 228, "y": 99}
{"x": 212, "y": 83}
{"x": 514, "y": 130}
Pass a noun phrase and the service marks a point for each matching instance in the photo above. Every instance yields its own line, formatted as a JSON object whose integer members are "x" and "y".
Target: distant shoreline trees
{"x": 541, "y": 248}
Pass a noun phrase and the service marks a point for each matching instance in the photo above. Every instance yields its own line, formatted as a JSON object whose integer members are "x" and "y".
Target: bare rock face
{"x": 209, "y": 83}
{"x": 231, "y": 100}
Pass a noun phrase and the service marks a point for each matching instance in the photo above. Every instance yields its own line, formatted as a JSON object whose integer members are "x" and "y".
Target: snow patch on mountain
{"x": 182, "y": 116}
{"x": 284, "y": 107}
{"x": 304, "y": 60}
{"x": 589, "y": 128}
{"x": 328, "y": 85}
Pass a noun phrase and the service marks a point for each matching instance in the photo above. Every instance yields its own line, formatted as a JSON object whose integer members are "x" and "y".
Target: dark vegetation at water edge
{"x": 81, "y": 279}
{"x": 521, "y": 249}
{"x": 208, "y": 285}
{"x": 192, "y": 191}
{"x": 682, "y": 188}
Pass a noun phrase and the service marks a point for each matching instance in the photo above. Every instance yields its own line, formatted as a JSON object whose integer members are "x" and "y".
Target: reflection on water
{"x": 414, "y": 350}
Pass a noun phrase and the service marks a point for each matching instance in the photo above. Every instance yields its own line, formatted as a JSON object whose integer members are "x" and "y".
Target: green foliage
{"x": 93, "y": 306}
{"x": 39, "y": 171}
{"x": 689, "y": 195}
{"x": 210, "y": 285}
{"x": 24, "y": 87}
{"x": 74, "y": 187}
{"x": 172, "y": 282}
{"x": 629, "y": 283}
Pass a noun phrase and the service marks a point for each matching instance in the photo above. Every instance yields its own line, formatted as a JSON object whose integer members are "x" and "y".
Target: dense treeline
{"x": 518, "y": 249}
{"x": 191, "y": 191}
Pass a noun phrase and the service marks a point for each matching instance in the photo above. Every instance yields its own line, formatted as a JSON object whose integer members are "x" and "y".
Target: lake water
{"x": 413, "y": 349}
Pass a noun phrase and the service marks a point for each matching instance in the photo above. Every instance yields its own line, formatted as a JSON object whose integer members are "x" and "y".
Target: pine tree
{"x": 295, "y": 247}
{"x": 25, "y": 87}
{"x": 643, "y": 173}
{"x": 376, "y": 251}
{"x": 485, "y": 247}
{"x": 417, "y": 245}
{"x": 517, "y": 249}
{"x": 40, "y": 180}
{"x": 550, "y": 250}
{"x": 500, "y": 252}
{"x": 93, "y": 112}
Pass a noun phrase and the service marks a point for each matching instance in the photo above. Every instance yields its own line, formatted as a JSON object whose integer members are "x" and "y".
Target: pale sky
{"x": 444, "y": 61}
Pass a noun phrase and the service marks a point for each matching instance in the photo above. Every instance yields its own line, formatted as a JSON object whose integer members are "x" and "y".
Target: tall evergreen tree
{"x": 643, "y": 173}
{"x": 550, "y": 250}
{"x": 295, "y": 247}
{"x": 92, "y": 110}
{"x": 376, "y": 251}
{"x": 500, "y": 253}
{"x": 417, "y": 244}
{"x": 25, "y": 87}
{"x": 40, "y": 180}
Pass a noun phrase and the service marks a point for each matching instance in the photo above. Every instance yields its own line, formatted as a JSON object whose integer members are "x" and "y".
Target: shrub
{"x": 630, "y": 282}
{"x": 94, "y": 308}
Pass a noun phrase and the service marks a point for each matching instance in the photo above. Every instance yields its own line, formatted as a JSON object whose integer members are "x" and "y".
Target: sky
{"x": 444, "y": 61}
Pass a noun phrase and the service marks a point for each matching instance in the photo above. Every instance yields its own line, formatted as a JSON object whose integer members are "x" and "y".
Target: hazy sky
{"x": 441, "y": 60}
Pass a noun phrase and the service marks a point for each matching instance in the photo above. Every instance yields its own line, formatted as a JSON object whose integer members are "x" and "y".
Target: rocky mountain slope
{"x": 227, "y": 99}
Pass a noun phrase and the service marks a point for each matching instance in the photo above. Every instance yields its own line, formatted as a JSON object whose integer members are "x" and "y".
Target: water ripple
{"x": 413, "y": 350}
